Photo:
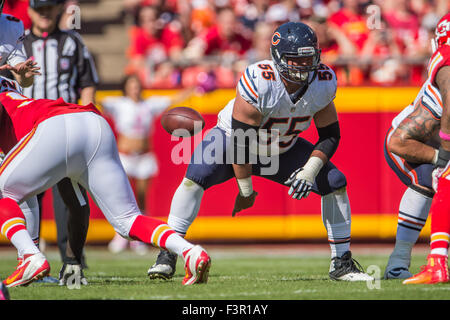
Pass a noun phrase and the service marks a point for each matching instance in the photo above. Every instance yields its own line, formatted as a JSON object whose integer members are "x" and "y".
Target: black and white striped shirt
{"x": 66, "y": 66}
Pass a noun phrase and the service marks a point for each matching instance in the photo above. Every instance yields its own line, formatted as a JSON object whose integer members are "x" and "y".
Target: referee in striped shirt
{"x": 67, "y": 71}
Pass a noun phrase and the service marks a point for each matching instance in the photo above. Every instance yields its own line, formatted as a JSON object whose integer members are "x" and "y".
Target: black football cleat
{"x": 345, "y": 268}
{"x": 164, "y": 267}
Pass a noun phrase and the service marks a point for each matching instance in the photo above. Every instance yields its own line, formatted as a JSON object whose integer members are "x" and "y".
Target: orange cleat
{"x": 436, "y": 271}
{"x": 33, "y": 267}
{"x": 197, "y": 264}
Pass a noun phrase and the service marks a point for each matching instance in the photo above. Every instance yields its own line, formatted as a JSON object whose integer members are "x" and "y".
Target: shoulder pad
{"x": 324, "y": 87}
{"x": 259, "y": 85}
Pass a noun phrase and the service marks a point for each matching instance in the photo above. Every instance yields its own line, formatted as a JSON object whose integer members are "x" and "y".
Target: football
{"x": 182, "y": 121}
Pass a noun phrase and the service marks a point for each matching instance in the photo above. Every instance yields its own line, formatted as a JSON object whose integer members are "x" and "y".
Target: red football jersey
{"x": 438, "y": 60}
{"x": 19, "y": 115}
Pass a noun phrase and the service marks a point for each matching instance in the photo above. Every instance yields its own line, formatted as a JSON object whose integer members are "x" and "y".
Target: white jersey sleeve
{"x": 11, "y": 40}
{"x": 322, "y": 90}
{"x": 258, "y": 86}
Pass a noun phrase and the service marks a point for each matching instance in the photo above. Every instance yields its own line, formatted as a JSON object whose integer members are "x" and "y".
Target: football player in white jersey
{"x": 416, "y": 150}
{"x": 12, "y": 56}
{"x": 411, "y": 150}
{"x": 280, "y": 95}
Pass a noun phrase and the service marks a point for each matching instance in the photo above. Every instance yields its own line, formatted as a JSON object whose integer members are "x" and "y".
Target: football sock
{"x": 185, "y": 205}
{"x": 401, "y": 255}
{"x": 30, "y": 210}
{"x": 12, "y": 224}
{"x": 440, "y": 219}
{"x": 158, "y": 234}
{"x": 413, "y": 213}
{"x": 336, "y": 217}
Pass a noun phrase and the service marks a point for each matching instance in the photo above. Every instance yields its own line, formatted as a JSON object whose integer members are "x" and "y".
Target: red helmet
{"x": 442, "y": 33}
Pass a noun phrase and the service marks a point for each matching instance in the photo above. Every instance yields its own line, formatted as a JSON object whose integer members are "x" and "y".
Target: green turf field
{"x": 288, "y": 272}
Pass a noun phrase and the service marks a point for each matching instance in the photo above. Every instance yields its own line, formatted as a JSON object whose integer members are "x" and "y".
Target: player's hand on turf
{"x": 301, "y": 183}
{"x": 242, "y": 202}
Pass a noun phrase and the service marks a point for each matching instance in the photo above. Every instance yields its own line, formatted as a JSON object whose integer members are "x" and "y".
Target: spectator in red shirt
{"x": 226, "y": 43}
{"x": 152, "y": 40}
{"x": 350, "y": 20}
{"x": 404, "y": 24}
{"x": 152, "y": 43}
{"x": 222, "y": 39}
{"x": 412, "y": 40}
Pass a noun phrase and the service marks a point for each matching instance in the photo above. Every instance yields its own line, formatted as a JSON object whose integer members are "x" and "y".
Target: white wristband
{"x": 245, "y": 186}
{"x": 436, "y": 156}
{"x": 313, "y": 165}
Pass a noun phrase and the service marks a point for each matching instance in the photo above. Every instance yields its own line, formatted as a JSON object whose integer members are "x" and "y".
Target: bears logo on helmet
{"x": 296, "y": 41}
{"x": 276, "y": 38}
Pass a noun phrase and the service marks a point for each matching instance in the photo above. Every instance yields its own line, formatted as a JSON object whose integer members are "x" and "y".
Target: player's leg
{"x": 30, "y": 209}
{"x": 61, "y": 213}
{"x": 331, "y": 184}
{"x": 129, "y": 163}
{"x": 35, "y": 164}
{"x": 108, "y": 184}
{"x": 77, "y": 224}
{"x": 146, "y": 169}
{"x": 436, "y": 270}
{"x": 208, "y": 167}
{"x": 413, "y": 211}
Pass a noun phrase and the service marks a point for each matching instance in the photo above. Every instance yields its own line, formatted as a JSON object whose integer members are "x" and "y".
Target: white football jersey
{"x": 134, "y": 119}
{"x": 11, "y": 40}
{"x": 262, "y": 87}
{"x": 430, "y": 98}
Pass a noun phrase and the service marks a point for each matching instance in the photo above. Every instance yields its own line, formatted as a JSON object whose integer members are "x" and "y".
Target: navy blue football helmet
{"x": 295, "y": 40}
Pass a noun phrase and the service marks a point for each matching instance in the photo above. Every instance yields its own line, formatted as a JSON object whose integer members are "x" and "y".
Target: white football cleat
{"x": 197, "y": 264}
{"x": 33, "y": 267}
{"x": 345, "y": 268}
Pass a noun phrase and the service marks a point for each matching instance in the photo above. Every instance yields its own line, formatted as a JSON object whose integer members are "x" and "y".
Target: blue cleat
{"x": 47, "y": 279}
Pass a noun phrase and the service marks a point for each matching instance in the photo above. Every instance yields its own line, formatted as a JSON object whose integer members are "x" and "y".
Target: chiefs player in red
{"x": 436, "y": 271}
{"x": 48, "y": 140}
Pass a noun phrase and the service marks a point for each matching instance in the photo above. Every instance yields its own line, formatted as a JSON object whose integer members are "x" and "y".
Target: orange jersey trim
{"x": 16, "y": 151}
{"x": 249, "y": 86}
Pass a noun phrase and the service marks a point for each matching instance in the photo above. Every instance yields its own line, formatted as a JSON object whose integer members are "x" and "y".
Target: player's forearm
{"x": 412, "y": 150}
{"x": 243, "y": 174}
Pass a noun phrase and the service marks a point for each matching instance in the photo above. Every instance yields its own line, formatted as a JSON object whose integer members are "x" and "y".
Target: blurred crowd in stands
{"x": 208, "y": 43}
